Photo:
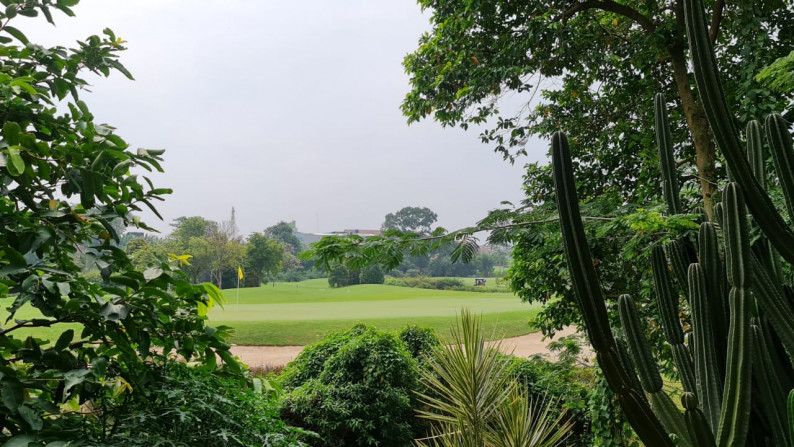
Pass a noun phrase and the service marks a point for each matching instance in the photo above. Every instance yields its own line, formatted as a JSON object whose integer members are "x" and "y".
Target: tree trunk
{"x": 698, "y": 124}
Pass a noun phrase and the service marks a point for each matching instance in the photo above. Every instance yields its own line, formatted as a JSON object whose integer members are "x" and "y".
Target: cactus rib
{"x": 699, "y": 429}
{"x": 638, "y": 345}
{"x": 708, "y": 378}
{"x": 735, "y": 412}
{"x": 769, "y": 385}
{"x": 666, "y": 157}
{"x": 783, "y": 156}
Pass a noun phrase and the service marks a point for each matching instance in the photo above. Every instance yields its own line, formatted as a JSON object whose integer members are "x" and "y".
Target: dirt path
{"x": 259, "y": 356}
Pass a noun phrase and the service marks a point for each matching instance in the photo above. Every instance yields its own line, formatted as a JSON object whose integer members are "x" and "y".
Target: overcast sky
{"x": 285, "y": 110}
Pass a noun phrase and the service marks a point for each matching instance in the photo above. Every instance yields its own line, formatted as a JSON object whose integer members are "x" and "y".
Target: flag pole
{"x": 239, "y": 277}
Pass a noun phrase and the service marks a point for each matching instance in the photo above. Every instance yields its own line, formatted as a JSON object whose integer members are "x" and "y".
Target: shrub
{"x": 355, "y": 388}
{"x": 188, "y": 407}
{"x": 372, "y": 275}
{"x": 342, "y": 276}
{"x": 337, "y": 276}
{"x": 419, "y": 341}
{"x": 562, "y": 382}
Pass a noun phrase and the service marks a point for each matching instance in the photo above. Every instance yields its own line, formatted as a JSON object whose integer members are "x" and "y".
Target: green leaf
{"x": 32, "y": 418}
{"x": 16, "y": 165}
{"x": 11, "y": 132}
{"x": 152, "y": 273}
{"x": 12, "y": 394}
{"x": 99, "y": 366}
{"x": 11, "y": 11}
{"x": 16, "y": 33}
{"x": 74, "y": 378}
{"x": 114, "y": 312}
{"x": 64, "y": 340}
{"x": 19, "y": 441}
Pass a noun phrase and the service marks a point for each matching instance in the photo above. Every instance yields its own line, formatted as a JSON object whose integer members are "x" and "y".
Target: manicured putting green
{"x": 301, "y": 313}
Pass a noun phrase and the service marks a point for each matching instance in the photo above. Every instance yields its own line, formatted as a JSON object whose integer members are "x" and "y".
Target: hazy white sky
{"x": 285, "y": 110}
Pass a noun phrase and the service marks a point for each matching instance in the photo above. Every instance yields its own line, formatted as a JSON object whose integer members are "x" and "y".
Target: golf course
{"x": 301, "y": 313}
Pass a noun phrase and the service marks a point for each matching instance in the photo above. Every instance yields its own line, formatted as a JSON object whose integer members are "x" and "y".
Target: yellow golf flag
{"x": 239, "y": 272}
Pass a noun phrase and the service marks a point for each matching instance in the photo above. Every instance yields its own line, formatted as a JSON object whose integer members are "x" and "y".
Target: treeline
{"x": 213, "y": 252}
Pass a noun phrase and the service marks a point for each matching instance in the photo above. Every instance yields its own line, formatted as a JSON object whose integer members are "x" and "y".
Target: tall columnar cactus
{"x": 736, "y": 366}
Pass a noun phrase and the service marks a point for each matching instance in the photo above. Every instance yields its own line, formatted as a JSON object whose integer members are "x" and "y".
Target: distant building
{"x": 364, "y": 233}
{"x": 308, "y": 238}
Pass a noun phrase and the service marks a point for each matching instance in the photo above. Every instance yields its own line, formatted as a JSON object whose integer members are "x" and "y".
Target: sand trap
{"x": 272, "y": 356}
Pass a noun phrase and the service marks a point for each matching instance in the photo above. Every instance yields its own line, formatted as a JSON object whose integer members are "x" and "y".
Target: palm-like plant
{"x": 475, "y": 402}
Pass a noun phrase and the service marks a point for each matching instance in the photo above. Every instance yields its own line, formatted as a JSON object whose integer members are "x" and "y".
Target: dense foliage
{"x": 65, "y": 188}
{"x": 186, "y": 407}
{"x": 355, "y": 388}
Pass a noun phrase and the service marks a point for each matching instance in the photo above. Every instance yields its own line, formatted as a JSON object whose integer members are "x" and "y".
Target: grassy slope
{"x": 290, "y": 313}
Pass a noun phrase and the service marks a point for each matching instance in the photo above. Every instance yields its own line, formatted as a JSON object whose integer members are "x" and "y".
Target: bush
{"x": 342, "y": 276}
{"x": 419, "y": 341}
{"x": 188, "y": 407}
{"x": 372, "y": 275}
{"x": 355, "y": 388}
{"x": 563, "y": 381}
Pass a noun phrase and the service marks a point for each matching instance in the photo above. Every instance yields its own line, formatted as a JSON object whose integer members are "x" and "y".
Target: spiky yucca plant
{"x": 475, "y": 402}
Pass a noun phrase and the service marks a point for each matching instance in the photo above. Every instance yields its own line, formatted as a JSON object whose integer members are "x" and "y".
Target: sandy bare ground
{"x": 273, "y": 356}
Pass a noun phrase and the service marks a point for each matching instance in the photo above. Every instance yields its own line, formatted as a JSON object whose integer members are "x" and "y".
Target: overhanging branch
{"x": 610, "y": 6}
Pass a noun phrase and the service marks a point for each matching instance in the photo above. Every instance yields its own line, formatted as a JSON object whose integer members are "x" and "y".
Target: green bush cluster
{"x": 442, "y": 283}
{"x": 186, "y": 406}
{"x": 342, "y": 276}
{"x": 355, "y": 388}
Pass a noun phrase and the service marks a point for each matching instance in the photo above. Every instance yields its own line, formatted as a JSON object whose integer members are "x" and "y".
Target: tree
{"x": 64, "y": 182}
{"x": 263, "y": 255}
{"x": 605, "y": 61}
{"x": 285, "y": 233}
{"x": 190, "y": 237}
{"x": 411, "y": 219}
{"x": 186, "y": 228}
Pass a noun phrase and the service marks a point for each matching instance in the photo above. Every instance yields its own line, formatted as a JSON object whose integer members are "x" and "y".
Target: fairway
{"x": 301, "y": 313}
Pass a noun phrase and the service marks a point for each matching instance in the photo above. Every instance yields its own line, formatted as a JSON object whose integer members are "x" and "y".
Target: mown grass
{"x": 302, "y": 313}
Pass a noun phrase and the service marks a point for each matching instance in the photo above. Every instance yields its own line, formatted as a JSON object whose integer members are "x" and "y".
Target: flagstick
{"x": 238, "y": 292}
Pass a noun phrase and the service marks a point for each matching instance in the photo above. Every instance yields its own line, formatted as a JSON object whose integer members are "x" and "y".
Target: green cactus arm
{"x": 696, "y": 422}
{"x": 583, "y": 275}
{"x": 774, "y": 304}
{"x": 685, "y": 366}
{"x": 638, "y": 346}
{"x": 680, "y": 258}
{"x": 756, "y": 154}
{"x": 735, "y": 411}
{"x": 713, "y": 271}
{"x": 591, "y": 301}
{"x": 707, "y": 372}
{"x": 772, "y": 394}
{"x": 721, "y": 121}
{"x": 666, "y": 156}
{"x": 626, "y": 362}
{"x": 666, "y": 297}
{"x": 783, "y": 156}
{"x": 790, "y": 411}
{"x": 671, "y": 417}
